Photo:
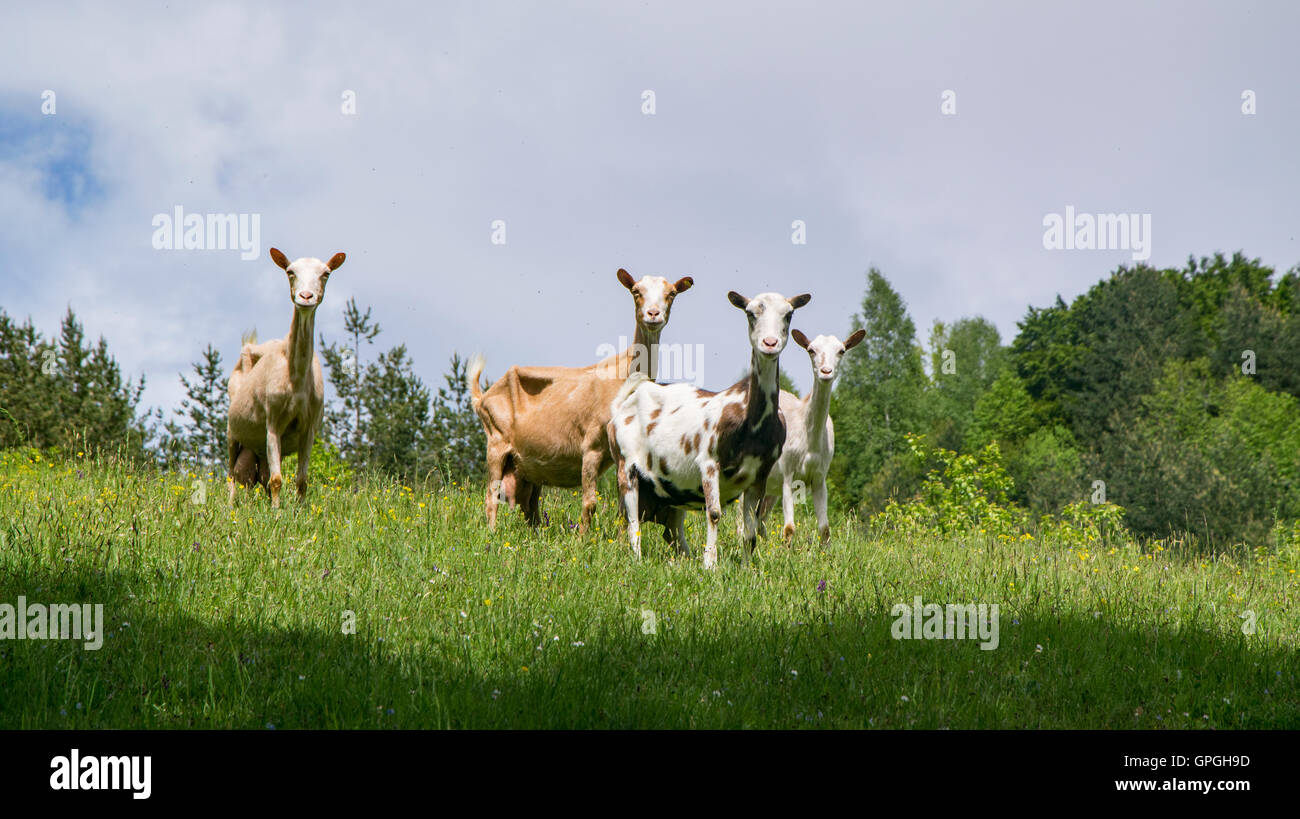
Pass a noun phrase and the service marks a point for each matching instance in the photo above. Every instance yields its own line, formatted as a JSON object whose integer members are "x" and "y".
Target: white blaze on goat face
{"x": 654, "y": 297}
{"x": 307, "y": 277}
{"x": 826, "y": 353}
{"x": 769, "y": 322}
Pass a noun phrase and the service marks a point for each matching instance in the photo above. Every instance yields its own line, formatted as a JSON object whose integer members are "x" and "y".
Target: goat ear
{"x": 800, "y": 301}
{"x": 738, "y": 300}
{"x": 626, "y": 278}
{"x": 337, "y": 261}
{"x": 683, "y": 284}
{"x": 855, "y": 339}
{"x": 279, "y": 259}
{"x": 800, "y": 338}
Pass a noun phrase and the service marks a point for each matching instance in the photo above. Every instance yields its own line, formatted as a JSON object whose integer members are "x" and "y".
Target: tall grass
{"x": 237, "y": 618}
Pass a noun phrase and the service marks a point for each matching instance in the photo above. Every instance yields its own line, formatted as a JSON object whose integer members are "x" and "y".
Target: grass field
{"x": 236, "y": 618}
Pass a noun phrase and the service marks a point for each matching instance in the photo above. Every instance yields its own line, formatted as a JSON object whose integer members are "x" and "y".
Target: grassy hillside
{"x": 235, "y": 619}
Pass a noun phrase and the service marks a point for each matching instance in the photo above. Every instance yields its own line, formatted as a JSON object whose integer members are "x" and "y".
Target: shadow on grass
{"x": 841, "y": 669}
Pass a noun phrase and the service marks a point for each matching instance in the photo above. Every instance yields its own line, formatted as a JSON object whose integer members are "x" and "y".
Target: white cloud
{"x": 473, "y": 112}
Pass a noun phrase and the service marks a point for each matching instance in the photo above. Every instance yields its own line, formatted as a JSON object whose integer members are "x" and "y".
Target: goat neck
{"x": 648, "y": 340}
{"x": 763, "y": 389}
{"x": 819, "y": 408}
{"x": 298, "y": 345}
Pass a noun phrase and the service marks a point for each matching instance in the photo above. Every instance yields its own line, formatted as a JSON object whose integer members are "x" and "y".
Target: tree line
{"x": 61, "y": 393}
{"x": 1170, "y": 392}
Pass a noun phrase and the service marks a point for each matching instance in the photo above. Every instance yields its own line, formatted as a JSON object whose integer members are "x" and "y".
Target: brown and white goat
{"x": 809, "y": 435}
{"x": 546, "y": 426}
{"x": 678, "y": 447}
{"x": 277, "y": 393}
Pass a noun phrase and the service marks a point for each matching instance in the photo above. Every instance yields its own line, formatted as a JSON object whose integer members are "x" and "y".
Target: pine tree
{"x": 396, "y": 434}
{"x": 965, "y": 358}
{"x": 28, "y": 409}
{"x": 457, "y": 432}
{"x": 879, "y": 395}
{"x": 65, "y": 394}
{"x": 344, "y": 423}
{"x": 200, "y": 435}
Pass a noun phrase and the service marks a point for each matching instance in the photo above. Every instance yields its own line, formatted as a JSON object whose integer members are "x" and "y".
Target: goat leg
{"x": 304, "y": 462}
{"x": 819, "y": 504}
{"x": 591, "y": 463}
{"x": 787, "y": 509}
{"x": 628, "y": 485}
{"x": 273, "y": 463}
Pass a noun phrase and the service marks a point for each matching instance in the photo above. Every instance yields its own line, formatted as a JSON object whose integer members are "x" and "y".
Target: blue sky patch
{"x": 58, "y": 148}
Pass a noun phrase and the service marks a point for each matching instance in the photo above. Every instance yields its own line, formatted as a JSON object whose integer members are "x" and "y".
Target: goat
{"x": 546, "y": 426}
{"x": 678, "y": 447}
{"x": 277, "y": 392}
{"x": 810, "y": 434}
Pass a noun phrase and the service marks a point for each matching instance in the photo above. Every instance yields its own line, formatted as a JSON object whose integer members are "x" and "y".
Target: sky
{"x": 930, "y": 140}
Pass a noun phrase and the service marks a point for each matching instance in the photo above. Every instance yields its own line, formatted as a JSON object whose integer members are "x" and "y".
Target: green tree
{"x": 1048, "y": 470}
{"x": 1004, "y": 413}
{"x": 1251, "y": 332}
{"x": 28, "y": 410}
{"x": 1206, "y": 454}
{"x": 344, "y": 422}
{"x": 97, "y": 407}
{"x": 198, "y": 434}
{"x": 457, "y": 433}
{"x": 878, "y": 399}
{"x": 965, "y": 358}
{"x": 1046, "y": 355}
{"x": 64, "y": 393}
{"x": 396, "y": 435}
{"x": 1205, "y": 286}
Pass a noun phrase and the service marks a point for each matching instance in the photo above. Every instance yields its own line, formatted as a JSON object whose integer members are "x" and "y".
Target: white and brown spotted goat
{"x": 677, "y": 447}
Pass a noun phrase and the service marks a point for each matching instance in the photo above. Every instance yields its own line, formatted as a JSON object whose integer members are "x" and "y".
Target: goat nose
{"x": 769, "y": 342}
{"x": 306, "y": 295}
{"x": 653, "y": 312}
{"x": 826, "y": 370}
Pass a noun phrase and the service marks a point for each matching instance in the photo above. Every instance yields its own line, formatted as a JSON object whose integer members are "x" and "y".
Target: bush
{"x": 1048, "y": 470}
{"x": 970, "y": 493}
{"x": 328, "y": 466}
{"x": 1214, "y": 457}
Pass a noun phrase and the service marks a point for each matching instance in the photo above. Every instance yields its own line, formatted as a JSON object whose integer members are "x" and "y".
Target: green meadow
{"x": 378, "y": 605}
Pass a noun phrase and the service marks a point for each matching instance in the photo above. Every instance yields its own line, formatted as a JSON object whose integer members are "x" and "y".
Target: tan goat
{"x": 546, "y": 425}
{"x": 277, "y": 392}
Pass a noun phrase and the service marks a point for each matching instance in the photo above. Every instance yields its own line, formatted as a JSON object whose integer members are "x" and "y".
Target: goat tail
{"x": 629, "y": 386}
{"x": 246, "y": 361}
{"x": 476, "y": 364}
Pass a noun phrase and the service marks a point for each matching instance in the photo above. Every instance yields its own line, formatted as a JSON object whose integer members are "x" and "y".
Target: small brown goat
{"x": 546, "y": 425}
